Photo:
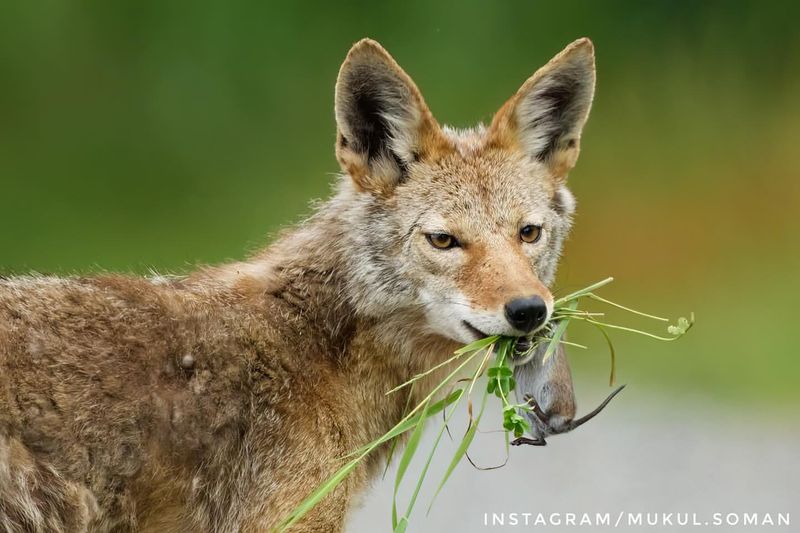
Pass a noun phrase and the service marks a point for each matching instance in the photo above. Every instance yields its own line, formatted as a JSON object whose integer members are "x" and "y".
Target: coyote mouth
{"x": 475, "y": 331}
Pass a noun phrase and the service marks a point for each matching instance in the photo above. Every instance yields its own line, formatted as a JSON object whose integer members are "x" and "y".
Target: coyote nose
{"x": 526, "y": 314}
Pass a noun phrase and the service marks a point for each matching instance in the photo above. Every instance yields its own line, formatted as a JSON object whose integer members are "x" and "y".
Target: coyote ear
{"x": 382, "y": 121}
{"x": 546, "y": 116}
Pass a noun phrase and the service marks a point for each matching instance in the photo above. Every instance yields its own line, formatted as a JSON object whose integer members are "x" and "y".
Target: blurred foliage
{"x": 162, "y": 134}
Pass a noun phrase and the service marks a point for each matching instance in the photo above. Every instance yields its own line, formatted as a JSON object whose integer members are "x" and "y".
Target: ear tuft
{"x": 369, "y": 46}
{"x": 546, "y": 116}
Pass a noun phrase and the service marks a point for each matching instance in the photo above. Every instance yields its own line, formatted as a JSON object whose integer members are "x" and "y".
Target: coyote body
{"x": 218, "y": 401}
{"x": 188, "y": 405}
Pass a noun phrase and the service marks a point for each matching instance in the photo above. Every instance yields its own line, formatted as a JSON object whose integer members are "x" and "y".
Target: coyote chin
{"x": 219, "y": 400}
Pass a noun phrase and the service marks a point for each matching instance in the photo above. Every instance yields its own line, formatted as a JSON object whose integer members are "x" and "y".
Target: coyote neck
{"x": 312, "y": 269}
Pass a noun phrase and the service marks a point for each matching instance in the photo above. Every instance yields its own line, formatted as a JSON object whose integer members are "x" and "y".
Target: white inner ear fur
{"x": 567, "y": 201}
{"x": 404, "y": 131}
{"x": 535, "y": 115}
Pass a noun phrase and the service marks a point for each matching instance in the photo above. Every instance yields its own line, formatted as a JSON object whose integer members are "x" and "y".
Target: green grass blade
{"x": 631, "y": 330}
{"x": 472, "y": 347}
{"x": 573, "y": 344}
{"x": 462, "y": 449}
{"x": 583, "y": 292}
{"x": 405, "y": 460}
{"x": 504, "y": 348}
{"x": 401, "y": 526}
{"x": 477, "y": 345}
{"x": 628, "y": 309}
{"x": 394, "y": 442}
{"x": 613, "y": 375}
{"x": 558, "y": 333}
{"x": 428, "y": 462}
{"x": 423, "y": 374}
{"x": 441, "y": 433}
{"x": 399, "y": 428}
{"x": 406, "y": 425}
{"x": 320, "y": 493}
{"x": 331, "y": 483}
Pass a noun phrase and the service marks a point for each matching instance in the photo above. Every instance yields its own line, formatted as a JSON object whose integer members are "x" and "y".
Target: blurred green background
{"x": 149, "y": 134}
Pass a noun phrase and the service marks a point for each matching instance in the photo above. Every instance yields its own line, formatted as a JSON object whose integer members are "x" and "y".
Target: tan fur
{"x": 219, "y": 400}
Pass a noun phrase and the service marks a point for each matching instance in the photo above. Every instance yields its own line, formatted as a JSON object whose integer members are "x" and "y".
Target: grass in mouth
{"x": 494, "y": 355}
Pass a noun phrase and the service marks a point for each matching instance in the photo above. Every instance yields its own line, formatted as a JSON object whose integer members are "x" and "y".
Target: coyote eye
{"x": 442, "y": 241}
{"x": 530, "y": 233}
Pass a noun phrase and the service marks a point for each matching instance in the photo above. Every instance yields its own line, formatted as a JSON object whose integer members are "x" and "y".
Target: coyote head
{"x": 466, "y": 226}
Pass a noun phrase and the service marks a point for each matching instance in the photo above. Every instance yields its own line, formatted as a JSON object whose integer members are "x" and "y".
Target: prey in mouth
{"x": 546, "y": 387}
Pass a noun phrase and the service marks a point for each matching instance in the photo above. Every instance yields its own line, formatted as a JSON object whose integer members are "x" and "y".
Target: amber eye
{"x": 530, "y": 233}
{"x": 442, "y": 241}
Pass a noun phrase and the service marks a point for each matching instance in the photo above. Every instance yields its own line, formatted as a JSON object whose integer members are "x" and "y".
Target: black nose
{"x": 526, "y": 314}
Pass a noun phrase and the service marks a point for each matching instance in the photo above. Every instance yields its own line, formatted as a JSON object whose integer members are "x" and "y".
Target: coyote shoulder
{"x": 217, "y": 401}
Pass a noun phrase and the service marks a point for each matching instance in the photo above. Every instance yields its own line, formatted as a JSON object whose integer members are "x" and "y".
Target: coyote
{"x": 217, "y": 401}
